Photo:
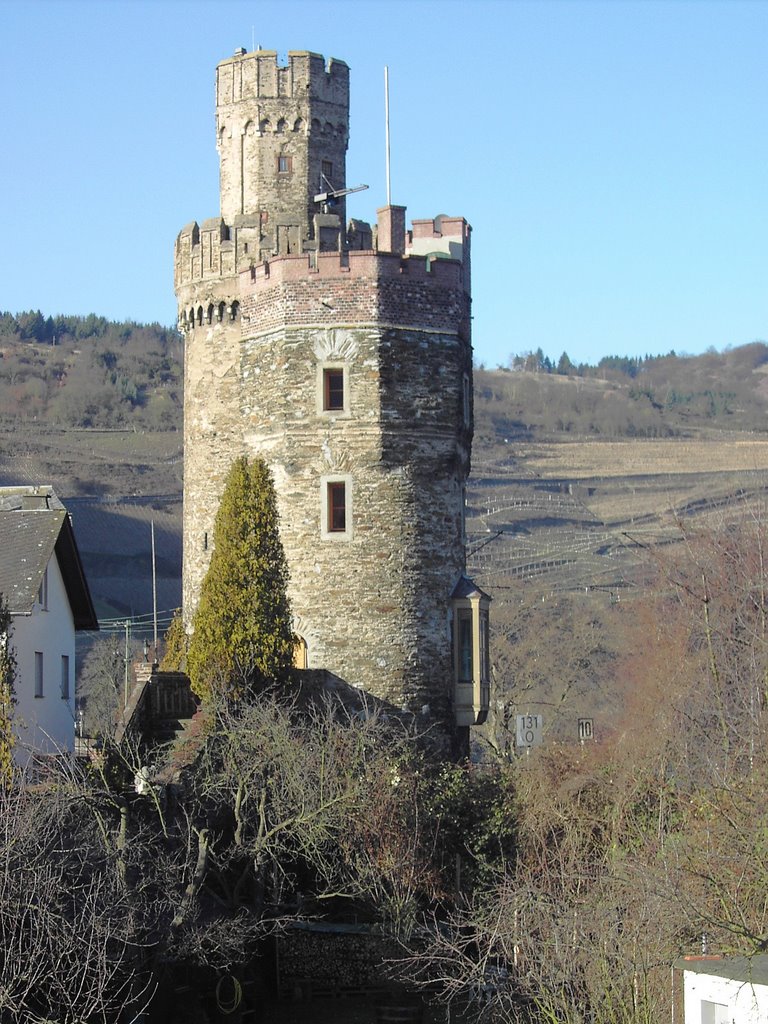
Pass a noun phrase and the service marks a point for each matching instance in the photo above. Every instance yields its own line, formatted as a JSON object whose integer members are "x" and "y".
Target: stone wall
{"x": 263, "y": 328}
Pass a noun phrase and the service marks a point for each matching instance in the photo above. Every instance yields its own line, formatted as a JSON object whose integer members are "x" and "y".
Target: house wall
{"x": 707, "y": 995}
{"x": 45, "y": 724}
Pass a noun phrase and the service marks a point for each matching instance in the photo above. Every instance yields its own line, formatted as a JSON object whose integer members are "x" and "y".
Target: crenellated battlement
{"x": 431, "y": 270}
{"x": 214, "y": 272}
{"x": 259, "y": 75}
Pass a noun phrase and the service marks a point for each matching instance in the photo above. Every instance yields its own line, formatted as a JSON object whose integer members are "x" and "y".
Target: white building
{"x": 724, "y": 990}
{"x": 44, "y": 586}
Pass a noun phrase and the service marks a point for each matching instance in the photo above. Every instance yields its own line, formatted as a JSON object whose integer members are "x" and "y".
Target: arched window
{"x": 199, "y": 314}
{"x": 209, "y": 314}
{"x": 299, "y": 652}
{"x": 235, "y": 311}
{"x": 221, "y": 311}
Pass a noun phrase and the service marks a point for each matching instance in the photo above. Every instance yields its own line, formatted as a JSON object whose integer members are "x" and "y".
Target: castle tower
{"x": 344, "y": 360}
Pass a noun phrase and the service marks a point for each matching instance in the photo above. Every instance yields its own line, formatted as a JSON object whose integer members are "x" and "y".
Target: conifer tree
{"x": 7, "y": 699}
{"x": 242, "y": 638}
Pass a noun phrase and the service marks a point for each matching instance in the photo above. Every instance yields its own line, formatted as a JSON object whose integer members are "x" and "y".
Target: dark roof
{"x": 750, "y": 969}
{"x": 33, "y": 526}
{"x": 467, "y": 587}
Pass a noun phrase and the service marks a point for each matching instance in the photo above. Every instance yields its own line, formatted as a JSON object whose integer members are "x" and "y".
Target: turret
{"x": 282, "y": 136}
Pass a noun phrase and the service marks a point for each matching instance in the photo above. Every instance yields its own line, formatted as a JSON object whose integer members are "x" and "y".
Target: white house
{"x": 724, "y": 990}
{"x": 43, "y": 584}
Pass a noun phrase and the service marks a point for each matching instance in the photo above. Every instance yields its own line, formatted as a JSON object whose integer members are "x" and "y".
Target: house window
{"x": 333, "y": 389}
{"x": 715, "y": 1013}
{"x": 65, "y": 677}
{"x": 284, "y": 164}
{"x": 337, "y": 507}
{"x": 42, "y": 593}
{"x": 39, "y": 674}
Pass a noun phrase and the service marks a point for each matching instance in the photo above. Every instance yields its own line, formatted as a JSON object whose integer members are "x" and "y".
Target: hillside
{"x": 565, "y": 530}
{"x": 68, "y": 371}
{"x": 580, "y": 482}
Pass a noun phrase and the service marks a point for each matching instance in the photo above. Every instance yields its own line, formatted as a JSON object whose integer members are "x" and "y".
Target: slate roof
{"x": 29, "y": 536}
{"x": 752, "y": 969}
{"x": 468, "y": 588}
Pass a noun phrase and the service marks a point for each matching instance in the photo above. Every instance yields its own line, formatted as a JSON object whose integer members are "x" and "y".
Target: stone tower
{"x": 342, "y": 356}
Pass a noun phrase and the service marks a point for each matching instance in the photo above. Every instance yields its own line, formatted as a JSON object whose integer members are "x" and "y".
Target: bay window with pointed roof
{"x": 470, "y": 631}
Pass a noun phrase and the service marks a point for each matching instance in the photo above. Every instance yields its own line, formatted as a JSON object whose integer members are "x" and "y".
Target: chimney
{"x": 34, "y": 501}
{"x": 391, "y": 222}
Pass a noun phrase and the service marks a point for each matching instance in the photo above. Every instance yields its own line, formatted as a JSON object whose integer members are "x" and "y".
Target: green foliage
{"x": 242, "y": 637}
{"x": 7, "y": 698}
{"x": 176, "y": 642}
{"x": 474, "y": 811}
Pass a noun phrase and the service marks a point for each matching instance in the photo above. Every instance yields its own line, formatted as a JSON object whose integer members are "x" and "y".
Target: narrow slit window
{"x": 337, "y": 507}
{"x": 465, "y": 646}
{"x": 39, "y": 692}
{"x": 65, "y": 677}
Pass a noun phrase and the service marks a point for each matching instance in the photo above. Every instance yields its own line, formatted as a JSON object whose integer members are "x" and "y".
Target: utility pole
{"x": 127, "y": 637}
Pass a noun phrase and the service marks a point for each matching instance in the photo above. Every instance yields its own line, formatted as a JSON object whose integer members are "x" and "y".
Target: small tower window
{"x": 333, "y": 389}
{"x": 466, "y": 400}
{"x": 284, "y": 164}
{"x": 326, "y": 176}
{"x": 337, "y": 507}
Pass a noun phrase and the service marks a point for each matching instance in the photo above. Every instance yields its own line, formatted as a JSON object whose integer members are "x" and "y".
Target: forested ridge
{"x": 72, "y": 371}
{"x": 75, "y": 371}
{"x": 654, "y": 396}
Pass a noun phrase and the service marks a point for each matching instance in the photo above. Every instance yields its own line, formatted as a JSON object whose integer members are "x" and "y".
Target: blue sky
{"x": 612, "y": 158}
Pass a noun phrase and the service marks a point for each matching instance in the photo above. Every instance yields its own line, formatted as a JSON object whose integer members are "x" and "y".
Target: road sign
{"x": 585, "y": 729}
{"x": 528, "y": 730}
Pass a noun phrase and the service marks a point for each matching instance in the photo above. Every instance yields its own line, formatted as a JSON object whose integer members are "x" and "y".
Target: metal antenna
{"x": 386, "y": 122}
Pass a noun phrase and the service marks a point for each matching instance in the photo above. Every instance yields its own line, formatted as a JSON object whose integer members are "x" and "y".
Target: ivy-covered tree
{"x": 241, "y": 632}
{"x": 7, "y": 699}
